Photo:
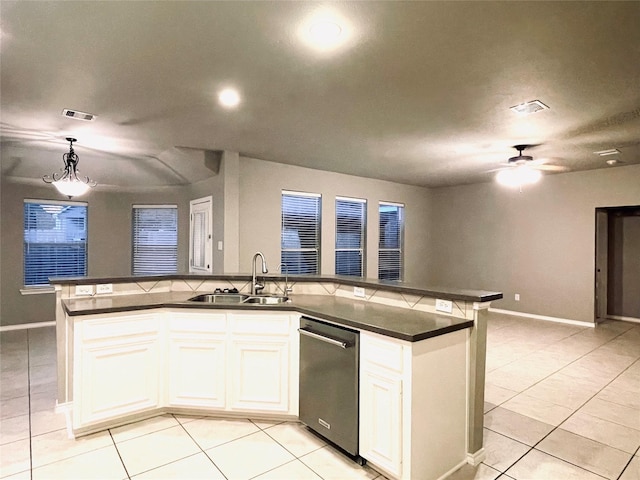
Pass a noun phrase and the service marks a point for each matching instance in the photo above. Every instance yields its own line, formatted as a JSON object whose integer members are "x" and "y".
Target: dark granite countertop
{"x": 395, "y": 322}
{"x": 446, "y": 293}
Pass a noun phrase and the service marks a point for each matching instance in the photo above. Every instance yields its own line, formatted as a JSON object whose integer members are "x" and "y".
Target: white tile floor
{"x": 562, "y": 402}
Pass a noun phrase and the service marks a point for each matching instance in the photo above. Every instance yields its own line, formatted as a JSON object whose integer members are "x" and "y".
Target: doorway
{"x": 617, "y": 264}
{"x": 201, "y": 235}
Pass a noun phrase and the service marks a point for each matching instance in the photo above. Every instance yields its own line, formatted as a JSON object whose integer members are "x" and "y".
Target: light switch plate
{"x": 358, "y": 292}
{"x": 444, "y": 306}
{"x": 84, "y": 289}
{"x": 104, "y": 288}
{"x": 220, "y": 245}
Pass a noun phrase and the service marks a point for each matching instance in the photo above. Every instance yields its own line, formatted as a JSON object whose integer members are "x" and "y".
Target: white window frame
{"x": 291, "y": 268}
{"x": 382, "y": 250}
{"x": 141, "y": 259}
{"x": 53, "y": 236}
{"x": 362, "y": 233}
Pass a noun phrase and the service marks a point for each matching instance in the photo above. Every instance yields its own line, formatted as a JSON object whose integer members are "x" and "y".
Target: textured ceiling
{"x": 419, "y": 94}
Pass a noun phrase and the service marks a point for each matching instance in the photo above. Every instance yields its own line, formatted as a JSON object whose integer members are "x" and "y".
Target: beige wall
{"x": 109, "y": 245}
{"x": 261, "y": 185}
{"x": 539, "y": 243}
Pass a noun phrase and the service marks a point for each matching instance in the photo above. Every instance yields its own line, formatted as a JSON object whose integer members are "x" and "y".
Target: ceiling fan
{"x": 523, "y": 169}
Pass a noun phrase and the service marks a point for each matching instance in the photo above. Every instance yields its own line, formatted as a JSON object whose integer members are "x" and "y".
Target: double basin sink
{"x": 239, "y": 299}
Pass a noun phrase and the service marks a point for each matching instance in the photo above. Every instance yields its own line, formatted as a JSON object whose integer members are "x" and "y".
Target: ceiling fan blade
{"x": 551, "y": 168}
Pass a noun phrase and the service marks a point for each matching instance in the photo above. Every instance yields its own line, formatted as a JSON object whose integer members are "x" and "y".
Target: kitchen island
{"x": 144, "y": 349}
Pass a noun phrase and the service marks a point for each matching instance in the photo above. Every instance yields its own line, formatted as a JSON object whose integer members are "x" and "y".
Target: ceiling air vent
{"x": 87, "y": 117}
{"x": 527, "y": 108}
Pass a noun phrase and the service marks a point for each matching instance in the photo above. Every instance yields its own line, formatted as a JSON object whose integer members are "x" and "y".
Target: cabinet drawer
{"x": 260, "y": 324}
{"x": 198, "y": 322}
{"x": 119, "y": 326}
{"x": 382, "y": 353}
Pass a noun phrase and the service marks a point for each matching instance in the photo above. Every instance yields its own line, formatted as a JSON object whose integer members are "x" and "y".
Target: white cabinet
{"x": 197, "y": 363}
{"x": 264, "y": 363}
{"x": 413, "y": 404}
{"x": 117, "y": 367}
{"x": 381, "y": 402}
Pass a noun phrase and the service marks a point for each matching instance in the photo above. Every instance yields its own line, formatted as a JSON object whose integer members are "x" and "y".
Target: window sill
{"x": 37, "y": 290}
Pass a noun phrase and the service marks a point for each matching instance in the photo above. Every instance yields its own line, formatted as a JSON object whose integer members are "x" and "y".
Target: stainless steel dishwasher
{"x": 329, "y": 384}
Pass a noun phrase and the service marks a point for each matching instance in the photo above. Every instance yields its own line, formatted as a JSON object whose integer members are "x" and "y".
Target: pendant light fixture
{"x": 69, "y": 183}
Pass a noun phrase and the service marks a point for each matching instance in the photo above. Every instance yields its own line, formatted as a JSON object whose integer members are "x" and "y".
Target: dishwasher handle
{"x": 322, "y": 338}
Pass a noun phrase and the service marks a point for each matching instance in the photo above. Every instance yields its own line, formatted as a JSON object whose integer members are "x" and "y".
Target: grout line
{"x": 574, "y": 410}
{"x": 29, "y": 410}
{"x": 200, "y": 447}
{"x": 119, "y": 456}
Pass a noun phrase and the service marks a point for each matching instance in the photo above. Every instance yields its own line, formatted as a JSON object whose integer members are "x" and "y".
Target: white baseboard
{"x": 624, "y": 319}
{"x": 454, "y": 469}
{"x": 476, "y": 458}
{"x": 24, "y": 326}
{"x": 543, "y": 317}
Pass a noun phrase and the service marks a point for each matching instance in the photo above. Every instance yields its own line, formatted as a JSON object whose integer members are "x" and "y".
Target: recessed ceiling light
{"x": 611, "y": 151}
{"x": 612, "y": 161}
{"x": 324, "y": 30}
{"x": 229, "y": 97}
{"x": 528, "y": 108}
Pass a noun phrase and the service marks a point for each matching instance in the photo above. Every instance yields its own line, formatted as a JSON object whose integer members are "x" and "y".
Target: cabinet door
{"x": 116, "y": 378}
{"x": 260, "y": 375}
{"x": 197, "y": 372}
{"x": 381, "y": 420}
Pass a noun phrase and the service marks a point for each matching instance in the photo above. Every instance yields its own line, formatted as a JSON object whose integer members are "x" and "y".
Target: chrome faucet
{"x": 287, "y": 288}
{"x": 255, "y": 286}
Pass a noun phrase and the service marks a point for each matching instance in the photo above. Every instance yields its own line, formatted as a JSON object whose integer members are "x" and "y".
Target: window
{"x": 155, "y": 239}
{"x": 55, "y": 240}
{"x": 390, "y": 261}
{"x": 350, "y": 236}
{"x": 300, "y": 238}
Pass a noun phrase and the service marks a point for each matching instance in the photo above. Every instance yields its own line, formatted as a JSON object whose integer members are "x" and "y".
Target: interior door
{"x": 201, "y": 235}
{"x": 601, "y": 261}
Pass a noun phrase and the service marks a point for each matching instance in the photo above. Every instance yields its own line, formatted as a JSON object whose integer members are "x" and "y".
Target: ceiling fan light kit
{"x": 519, "y": 176}
{"x": 68, "y": 183}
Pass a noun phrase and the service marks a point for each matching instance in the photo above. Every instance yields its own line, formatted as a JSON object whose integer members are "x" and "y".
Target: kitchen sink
{"x": 227, "y": 298}
{"x": 266, "y": 300}
{"x": 237, "y": 299}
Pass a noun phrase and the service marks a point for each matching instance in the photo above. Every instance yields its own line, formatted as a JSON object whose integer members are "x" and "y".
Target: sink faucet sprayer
{"x": 287, "y": 288}
{"x": 255, "y": 286}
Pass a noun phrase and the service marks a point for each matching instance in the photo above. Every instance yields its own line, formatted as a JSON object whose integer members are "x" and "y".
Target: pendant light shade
{"x": 68, "y": 183}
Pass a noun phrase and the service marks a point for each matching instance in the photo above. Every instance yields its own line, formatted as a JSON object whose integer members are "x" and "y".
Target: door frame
{"x": 195, "y": 205}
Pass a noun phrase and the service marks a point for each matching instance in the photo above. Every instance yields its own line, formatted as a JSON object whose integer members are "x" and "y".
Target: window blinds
{"x": 390, "y": 254}
{"x": 300, "y": 234}
{"x": 55, "y": 240}
{"x": 155, "y": 239}
{"x": 350, "y": 236}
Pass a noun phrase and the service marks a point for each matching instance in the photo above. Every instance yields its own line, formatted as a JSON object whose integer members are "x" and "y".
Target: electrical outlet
{"x": 84, "y": 289}
{"x": 358, "y": 292}
{"x": 444, "y": 306}
{"x": 104, "y": 288}
{"x": 220, "y": 245}
{"x": 517, "y": 297}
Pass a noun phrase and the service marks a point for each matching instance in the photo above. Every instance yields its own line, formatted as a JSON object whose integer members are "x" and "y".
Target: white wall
{"x": 539, "y": 243}
{"x": 261, "y": 185}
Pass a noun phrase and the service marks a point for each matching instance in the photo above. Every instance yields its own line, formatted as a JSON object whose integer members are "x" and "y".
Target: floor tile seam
{"x": 29, "y": 409}
{"x": 596, "y": 441}
{"x": 200, "y": 447}
{"x": 309, "y": 466}
{"x": 155, "y": 467}
{"x": 274, "y": 468}
{"x": 558, "y": 427}
{"x": 113, "y": 441}
{"x": 581, "y": 467}
{"x": 626, "y": 466}
{"x": 142, "y": 434}
{"x": 294, "y": 455}
{"x": 529, "y": 448}
{"x": 514, "y": 439}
